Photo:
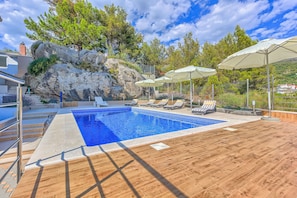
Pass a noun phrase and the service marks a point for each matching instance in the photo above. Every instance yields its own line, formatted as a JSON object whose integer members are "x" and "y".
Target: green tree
{"x": 209, "y": 56}
{"x": 189, "y": 50}
{"x": 69, "y": 23}
{"x": 187, "y": 53}
{"x": 153, "y": 54}
{"x": 121, "y": 36}
{"x": 207, "y": 88}
{"x": 242, "y": 39}
{"x": 174, "y": 59}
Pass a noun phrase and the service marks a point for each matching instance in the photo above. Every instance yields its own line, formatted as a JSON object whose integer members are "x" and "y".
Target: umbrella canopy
{"x": 189, "y": 73}
{"x": 165, "y": 79}
{"x": 148, "y": 83}
{"x": 262, "y": 54}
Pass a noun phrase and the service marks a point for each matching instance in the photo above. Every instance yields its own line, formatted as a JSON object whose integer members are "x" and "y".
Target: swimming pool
{"x": 7, "y": 112}
{"x": 108, "y": 125}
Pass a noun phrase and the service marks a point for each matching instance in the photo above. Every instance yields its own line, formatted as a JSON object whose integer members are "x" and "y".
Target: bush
{"x": 231, "y": 100}
{"x": 41, "y": 65}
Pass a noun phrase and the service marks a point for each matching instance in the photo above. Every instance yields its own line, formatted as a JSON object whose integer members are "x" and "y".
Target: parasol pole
{"x": 268, "y": 88}
{"x": 191, "y": 89}
{"x": 180, "y": 88}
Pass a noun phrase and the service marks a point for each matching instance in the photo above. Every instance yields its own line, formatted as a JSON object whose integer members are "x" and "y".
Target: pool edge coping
{"x": 52, "y": 150}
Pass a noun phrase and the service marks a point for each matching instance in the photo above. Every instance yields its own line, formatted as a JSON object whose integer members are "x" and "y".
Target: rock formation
{"x": 108, "y": 78}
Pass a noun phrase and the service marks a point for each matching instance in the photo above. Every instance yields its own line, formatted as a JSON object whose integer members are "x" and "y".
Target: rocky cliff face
{"x": 107, "y": 78}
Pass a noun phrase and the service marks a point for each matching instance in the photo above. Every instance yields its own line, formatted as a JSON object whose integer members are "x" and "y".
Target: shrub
{"x": 41, "y": 65}
{"x": 231, "y": 100}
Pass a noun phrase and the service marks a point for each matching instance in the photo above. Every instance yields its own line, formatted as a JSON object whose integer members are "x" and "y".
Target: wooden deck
{"x": 259, "y": 159}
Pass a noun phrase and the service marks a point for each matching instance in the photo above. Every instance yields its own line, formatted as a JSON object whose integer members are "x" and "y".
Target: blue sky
{"x": 170, "y": 20}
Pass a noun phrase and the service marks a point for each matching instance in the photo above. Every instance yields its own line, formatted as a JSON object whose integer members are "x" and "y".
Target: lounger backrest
{"x": 179, "y": 103}
{"x": 164, "y": 101}
{"x": 151, "y": 101}
{"x": 209, "y": 104}
{"x": 98, "y": 99}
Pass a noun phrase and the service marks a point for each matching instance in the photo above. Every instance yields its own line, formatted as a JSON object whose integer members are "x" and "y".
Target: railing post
{"x": 19, "y": 132}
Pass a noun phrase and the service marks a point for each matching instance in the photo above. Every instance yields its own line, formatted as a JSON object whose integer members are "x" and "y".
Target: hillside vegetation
{"x": 286, "y": 72}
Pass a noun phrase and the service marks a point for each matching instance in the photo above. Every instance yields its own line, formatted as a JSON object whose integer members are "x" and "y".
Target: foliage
{"x": 285, "y": 102}
{"x": 238, "y": 101}
{"x": 285, "y": 72}
{"x": 230, "y": 100}
{"x": 41, "y": 65}
{"x": 121, "y": 36}
{"x": 153, "y": 54}
{"x": 80, "y": 24}
{"x": 114, "y": 71}
{"x": 189, "y": 50}
{"x": 43, "y": 101}
{"x": 173, "y": 60}
{"x": 69, "y": 23}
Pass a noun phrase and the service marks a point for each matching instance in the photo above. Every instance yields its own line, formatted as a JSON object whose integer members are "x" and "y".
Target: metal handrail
{"x": 8, "y": 124}
{"x": 10, "y": 146}
{"x": 10, "y": 167}
{"x": 9, "y": 104}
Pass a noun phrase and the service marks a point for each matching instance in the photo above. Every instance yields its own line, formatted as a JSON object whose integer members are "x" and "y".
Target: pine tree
{"x": 69, "y": 23}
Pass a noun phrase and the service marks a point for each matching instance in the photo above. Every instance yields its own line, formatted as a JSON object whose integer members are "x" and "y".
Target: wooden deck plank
{"x": 257, "y": 160}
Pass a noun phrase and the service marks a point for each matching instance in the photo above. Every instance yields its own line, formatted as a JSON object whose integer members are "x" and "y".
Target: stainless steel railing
{"x": 17, "y": 121}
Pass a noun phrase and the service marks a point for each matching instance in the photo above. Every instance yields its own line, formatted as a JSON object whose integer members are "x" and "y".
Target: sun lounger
{"x": 132, "y": 103}
{"x": 149, "y": 103}
{"x": 208, "y": 106}
{"x": 162, "y": 103}
{"x": 177, "y": 105}
{"x": 99, "y": 102}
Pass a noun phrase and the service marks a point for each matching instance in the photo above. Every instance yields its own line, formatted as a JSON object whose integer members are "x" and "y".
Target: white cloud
{"x": 224, "y": 16}
{"x": 168, "y": 20}
{"x": 177, "y": 32}
{"x": 161, "y": 14}
{"x": 13, "y": 13}
{"x": 278, "y": 7}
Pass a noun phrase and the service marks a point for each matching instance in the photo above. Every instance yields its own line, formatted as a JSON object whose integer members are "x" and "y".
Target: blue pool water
{"x": 7, "y": 112}
{"x": 107, "y": 125}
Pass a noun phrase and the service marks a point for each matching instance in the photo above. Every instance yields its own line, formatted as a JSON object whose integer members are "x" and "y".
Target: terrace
{"x": 243, "y": 157}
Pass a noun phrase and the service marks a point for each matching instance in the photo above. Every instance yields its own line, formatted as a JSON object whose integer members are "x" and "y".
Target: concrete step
{"x": 25, "y": 131}
{"x": 29, "y": 145}
{"x": 6, "y": 161}
{"x": 32, "y": 115}
{"x": 32, "y": 124}
{"x": 44, "y": 106}
{"x": 25, "y": 136}
{"x": 13, "y": 154}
